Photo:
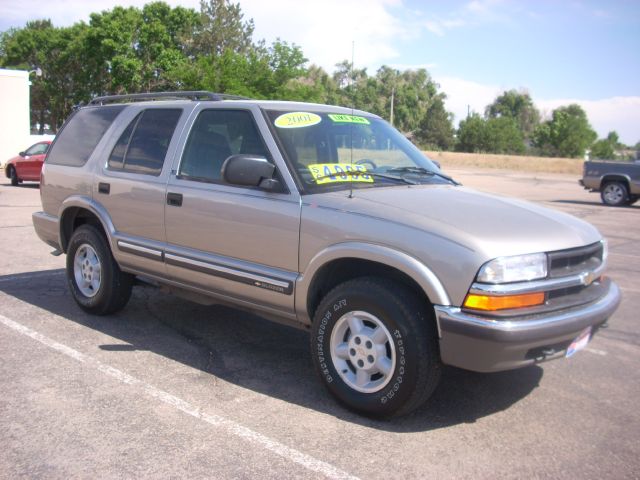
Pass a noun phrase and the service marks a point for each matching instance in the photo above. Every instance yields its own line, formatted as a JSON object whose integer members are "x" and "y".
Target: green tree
{"x": 132, "y": 50}
{"x": 493, "y": 135}
{"x": 503, "y": 135}
{"x": 519, "y": 107}
{"x": 222, "y": 28}
{"x": 606, "y": 148}
{"x": 472, "y": 134}
{"x": 567, "y": 134}
{"x": 435, "y": 130}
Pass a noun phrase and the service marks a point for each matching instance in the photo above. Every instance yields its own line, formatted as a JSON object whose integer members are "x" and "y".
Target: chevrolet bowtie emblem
{"x": 588, "y": 278}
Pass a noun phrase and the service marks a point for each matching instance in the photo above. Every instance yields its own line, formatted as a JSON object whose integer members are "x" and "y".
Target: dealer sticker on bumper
{"x": 580, "y": 342}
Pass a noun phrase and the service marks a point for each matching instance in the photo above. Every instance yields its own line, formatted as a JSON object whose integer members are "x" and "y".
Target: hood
{"x": 491, "y": 224}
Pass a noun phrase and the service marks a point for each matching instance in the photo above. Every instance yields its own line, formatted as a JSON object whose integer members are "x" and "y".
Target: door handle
{"x": 104, "y": 188}
{"x": 174, "y": 199}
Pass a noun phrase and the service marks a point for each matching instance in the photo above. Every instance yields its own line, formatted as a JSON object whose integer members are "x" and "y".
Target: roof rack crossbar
{"x": 141, "y": 97}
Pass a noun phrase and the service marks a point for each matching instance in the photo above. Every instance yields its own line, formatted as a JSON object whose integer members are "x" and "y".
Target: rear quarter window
{"x": 76, "y": 141}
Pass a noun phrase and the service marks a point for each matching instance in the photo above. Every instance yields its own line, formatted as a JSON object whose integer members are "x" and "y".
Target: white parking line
{"x": 602, "y": 353}
{"x": 229, "y": 426}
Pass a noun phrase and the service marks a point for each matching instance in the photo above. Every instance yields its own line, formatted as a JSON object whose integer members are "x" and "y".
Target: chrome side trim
{"x": 580, "y": 279}
{"x": 139, "y": 249}
{"x": 268, "y": 283}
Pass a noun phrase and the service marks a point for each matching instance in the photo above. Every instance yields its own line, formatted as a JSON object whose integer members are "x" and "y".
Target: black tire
{"x": 112, "y": 287}
{"x": 411, "y": 333}
{"x": 615, "y": 194}
{"x": 13, "y": 175}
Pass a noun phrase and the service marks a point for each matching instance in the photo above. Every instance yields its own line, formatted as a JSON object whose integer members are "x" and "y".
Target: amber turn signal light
{"x": 491, "y": 303}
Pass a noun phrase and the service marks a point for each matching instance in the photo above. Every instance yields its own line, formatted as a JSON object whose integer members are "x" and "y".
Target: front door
{"x": 31, "y": 163}
{"x": 236, "y": 242}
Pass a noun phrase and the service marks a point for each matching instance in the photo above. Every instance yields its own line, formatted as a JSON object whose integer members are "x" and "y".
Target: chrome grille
{"x": 576, "y": 260}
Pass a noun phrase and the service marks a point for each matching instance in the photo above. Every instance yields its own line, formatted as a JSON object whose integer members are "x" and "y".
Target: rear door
{"x": 131, "y": 183}
{"x": 235, "y": 242}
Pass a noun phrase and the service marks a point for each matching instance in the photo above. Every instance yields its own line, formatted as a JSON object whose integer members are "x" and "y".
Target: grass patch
{"x": 571, "y": 166}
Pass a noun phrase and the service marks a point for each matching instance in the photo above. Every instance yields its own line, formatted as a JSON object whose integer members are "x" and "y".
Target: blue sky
{"x": 554, "y": 48}
{"x": 559, "y": 51}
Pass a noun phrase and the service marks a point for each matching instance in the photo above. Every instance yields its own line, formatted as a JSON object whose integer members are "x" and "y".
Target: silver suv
{"x": 326, "y": 218}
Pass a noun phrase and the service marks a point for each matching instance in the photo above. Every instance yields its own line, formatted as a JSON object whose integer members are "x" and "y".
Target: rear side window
{"x": 77, "y": 140}
{"x": 143, "y": 145}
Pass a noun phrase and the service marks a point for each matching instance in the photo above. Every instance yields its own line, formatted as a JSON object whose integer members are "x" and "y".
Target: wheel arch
{"x": 76, "y": 211}
{"x": 343, "y": 262}
{"x": 615, "y": 177}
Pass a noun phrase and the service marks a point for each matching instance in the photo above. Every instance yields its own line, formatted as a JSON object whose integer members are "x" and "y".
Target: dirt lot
{"x": 171, "y": 389}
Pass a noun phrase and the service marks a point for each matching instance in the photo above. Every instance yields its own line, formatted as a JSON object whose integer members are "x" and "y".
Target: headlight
{"x": 519, "y": 268}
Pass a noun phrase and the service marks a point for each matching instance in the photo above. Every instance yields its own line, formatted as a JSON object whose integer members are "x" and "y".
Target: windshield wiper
{"x": 423, "y": 171}
{"x": 372, "y": 174}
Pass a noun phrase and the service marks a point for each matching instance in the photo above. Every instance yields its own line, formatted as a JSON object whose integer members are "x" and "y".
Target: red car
{"x": 28, "y": 164}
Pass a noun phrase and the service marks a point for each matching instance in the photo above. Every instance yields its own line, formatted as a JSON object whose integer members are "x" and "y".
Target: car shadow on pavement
{"x": 27, "y": 184}
{"x": 592, "y": 204}
{"x": 262, "y": 356}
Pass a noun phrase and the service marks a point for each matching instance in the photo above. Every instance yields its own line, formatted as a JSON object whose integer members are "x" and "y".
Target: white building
{"x": 15, "y": 134}
{"x": 14, "y": 119}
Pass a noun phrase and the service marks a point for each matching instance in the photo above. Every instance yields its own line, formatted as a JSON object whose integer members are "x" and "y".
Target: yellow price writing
{"x": 339, "y": 172}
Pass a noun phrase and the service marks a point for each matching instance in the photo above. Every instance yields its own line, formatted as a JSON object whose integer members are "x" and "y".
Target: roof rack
{"x": 141, "y": 97}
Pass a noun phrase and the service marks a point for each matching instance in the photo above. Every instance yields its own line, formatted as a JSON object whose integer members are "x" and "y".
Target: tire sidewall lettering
{"x": 393, "y": 388}
{"x": 321, "y": 356}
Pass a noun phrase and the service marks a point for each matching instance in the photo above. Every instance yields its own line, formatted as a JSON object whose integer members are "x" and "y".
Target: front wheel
{"x": 13, "y": 175}
{"x": 95, "y": 279}
{"x": 374, "y": 344}
{"x": 614, "y": 194}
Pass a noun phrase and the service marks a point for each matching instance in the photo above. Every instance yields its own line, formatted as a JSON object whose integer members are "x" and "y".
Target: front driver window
{"x": 216, "y": 135}
{"x": 37, "y": 149}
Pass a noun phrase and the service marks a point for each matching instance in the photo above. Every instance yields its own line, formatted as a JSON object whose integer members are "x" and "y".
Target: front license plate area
{"x": 579, "y": 343}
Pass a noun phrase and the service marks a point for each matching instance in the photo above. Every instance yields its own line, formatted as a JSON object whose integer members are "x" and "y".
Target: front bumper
{"x": 488, "y": 345}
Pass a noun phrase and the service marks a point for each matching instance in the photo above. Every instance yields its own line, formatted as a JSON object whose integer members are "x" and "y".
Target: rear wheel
{"x": 13, "y": 175}
{"x": 374, "y": 344}
{"x": 615, "y": 194}
{"x": 95, "y": 279}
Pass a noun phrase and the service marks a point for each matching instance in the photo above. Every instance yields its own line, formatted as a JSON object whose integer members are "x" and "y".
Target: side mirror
{"x": 437, "y": 163}
{"x": 22, "y": 154}
{"x": 250, "y": 171}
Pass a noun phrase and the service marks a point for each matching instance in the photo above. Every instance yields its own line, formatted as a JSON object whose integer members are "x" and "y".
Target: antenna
{"x": 353, "y": 101}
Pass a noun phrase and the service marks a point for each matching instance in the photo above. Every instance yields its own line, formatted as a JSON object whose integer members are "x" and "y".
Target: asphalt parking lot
{"x": 170, "y": 389}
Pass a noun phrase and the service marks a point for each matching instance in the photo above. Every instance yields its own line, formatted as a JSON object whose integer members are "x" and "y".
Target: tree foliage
{"x": 567, "y": 134}
{"x": 492, "y": 135}
{"x": 435, "y": 131}
{"x": 517, "y": 106}
{"x": 606, "y": 148}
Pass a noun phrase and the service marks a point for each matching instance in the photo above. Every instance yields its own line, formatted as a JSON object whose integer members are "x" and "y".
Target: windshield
{"x": 339, "y": 151}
